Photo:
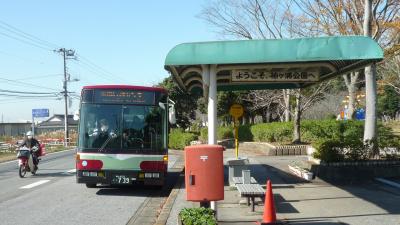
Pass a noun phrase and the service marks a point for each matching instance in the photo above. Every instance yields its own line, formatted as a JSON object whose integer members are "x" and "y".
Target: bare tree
{"x": 345, "y": 17}
{"x": 262, "y": 101}
{"x": 370, "y": 89}
{"x": 325, "y": 108}
{"x": 261, "y": 19}
{"x": 304, "y": 100}
{"x": 390, "y": 73}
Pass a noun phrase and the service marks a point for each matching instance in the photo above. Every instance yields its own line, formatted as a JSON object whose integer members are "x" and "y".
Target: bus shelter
{"x": 265, "y": 64}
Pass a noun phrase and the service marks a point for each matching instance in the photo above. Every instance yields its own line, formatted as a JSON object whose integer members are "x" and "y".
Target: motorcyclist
{"x": 30, "y": 142}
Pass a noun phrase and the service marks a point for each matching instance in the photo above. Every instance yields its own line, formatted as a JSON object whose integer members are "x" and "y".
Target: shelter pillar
{"x": 212, "y": 107}
{"x": 209, "y": 75}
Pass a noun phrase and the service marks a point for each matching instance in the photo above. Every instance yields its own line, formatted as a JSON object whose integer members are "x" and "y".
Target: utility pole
{"x": 66, "y": 53}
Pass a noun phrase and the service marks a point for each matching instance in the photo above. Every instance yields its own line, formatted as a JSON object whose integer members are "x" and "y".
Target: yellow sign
{"x": 236, "y": 110}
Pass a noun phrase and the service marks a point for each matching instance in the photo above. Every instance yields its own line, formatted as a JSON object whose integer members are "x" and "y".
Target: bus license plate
{"x": 121, "y": 179}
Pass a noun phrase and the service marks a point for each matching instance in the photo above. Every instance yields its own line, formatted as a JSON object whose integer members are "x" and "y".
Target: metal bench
{"x": 250, "y": 191}
{"x": 239, "y": 180}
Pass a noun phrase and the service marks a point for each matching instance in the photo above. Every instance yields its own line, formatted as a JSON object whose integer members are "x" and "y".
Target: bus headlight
{"x": 156, "y": 175}
{"x": 84, "y": 163}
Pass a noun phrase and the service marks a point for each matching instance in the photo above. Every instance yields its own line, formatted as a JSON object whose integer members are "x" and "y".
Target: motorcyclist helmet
{"x": 29, "y": 134}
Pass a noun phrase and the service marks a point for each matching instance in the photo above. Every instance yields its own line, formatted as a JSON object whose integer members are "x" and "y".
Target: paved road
{"x": 53, "y": 197}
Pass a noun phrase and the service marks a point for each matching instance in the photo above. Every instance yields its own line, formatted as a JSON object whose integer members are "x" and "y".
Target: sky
{"x": 115, "y": 42}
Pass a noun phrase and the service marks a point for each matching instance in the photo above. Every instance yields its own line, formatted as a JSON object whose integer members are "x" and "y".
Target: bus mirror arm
{"x": 171, "y": 114}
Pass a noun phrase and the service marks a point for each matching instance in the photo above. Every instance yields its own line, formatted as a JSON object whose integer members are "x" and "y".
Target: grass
{"x": 395, "y": 125}
{"x": 4, "y": 157}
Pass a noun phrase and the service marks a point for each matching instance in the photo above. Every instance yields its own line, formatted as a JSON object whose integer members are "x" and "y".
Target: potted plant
{"x": 196, "y": 216}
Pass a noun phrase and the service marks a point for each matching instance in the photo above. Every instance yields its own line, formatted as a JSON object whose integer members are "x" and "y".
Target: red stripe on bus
{"x": 153, "y": 166}
{"x": 90, "y": 164}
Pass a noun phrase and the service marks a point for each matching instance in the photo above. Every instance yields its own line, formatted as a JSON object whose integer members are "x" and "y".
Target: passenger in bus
{"x": 126, "y": 139}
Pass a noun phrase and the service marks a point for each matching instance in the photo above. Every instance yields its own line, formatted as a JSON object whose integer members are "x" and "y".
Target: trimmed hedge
{"x": 178, "y": 139}
{"x": 245, "y": 133}
{"x": 272, "y": 132}
{"x": 222, "y": 133}
{"x": 343, "y": 141}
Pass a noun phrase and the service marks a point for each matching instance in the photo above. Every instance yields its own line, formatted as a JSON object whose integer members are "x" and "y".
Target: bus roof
{"x": 129, "y": 87}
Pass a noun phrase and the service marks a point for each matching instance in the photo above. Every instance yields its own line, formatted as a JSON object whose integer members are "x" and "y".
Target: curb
{"x": 169, "y": 203}
{"x": 156, "y": 209}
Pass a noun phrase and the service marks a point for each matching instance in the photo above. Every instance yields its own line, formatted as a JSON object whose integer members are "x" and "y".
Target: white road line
{"x": 388, "y": 182}
{"x": 71, "y": 171}
{"x": 34, "y": 184}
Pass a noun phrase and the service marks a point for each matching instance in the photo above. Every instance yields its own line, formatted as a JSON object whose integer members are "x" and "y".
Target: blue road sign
{"x": 40, "y": 112}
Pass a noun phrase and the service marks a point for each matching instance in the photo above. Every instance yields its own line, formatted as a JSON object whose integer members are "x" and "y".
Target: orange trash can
{"x": 204, "y": 173}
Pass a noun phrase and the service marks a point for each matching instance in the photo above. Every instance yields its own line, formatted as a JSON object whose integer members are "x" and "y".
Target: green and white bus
{"x": 123, "y": 135}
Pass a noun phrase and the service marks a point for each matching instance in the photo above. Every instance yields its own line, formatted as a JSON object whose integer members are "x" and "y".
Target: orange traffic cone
{"x": 269, "y": 216}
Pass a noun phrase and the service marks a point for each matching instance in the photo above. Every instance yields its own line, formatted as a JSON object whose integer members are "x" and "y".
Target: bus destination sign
{"x": 124, "y": 97}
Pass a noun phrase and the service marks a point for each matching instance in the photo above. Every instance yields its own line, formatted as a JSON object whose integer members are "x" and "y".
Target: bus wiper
{"x": 111, "y": 136}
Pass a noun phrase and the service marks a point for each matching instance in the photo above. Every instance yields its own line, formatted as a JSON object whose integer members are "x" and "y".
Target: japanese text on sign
{"x": 274, "y": 76}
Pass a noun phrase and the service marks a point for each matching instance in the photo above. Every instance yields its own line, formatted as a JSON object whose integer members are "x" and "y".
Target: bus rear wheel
{"x": 91, "y": 185}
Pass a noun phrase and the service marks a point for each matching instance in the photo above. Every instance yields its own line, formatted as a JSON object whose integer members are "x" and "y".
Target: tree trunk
{"x": 370, "y": 91}
{"x": 296, "y": 119}
{"x": 268, "y": 115}
{"x": 264, "y": 115}
{"x": 351, "y": 81}
{"x": 286, "y": 97}
{"x": 370, "y": 133}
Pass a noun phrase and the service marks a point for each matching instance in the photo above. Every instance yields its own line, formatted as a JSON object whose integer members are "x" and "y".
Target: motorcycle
{"x": 25, "y": 160}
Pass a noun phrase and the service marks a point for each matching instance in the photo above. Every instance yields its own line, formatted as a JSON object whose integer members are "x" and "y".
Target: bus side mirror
{"x": 76, "y": 115}
{"x": 171, "y": 114}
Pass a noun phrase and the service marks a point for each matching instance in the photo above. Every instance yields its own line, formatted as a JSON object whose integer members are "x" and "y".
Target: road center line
{"x": 34, "y": 184}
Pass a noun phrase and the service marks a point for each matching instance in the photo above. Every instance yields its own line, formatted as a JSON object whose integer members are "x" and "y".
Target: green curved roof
{"x": 274, "y": 50}
{"x": 330, "y": 56}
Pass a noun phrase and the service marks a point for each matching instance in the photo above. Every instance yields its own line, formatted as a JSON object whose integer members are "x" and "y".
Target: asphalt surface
{"x": 53, "y": 197}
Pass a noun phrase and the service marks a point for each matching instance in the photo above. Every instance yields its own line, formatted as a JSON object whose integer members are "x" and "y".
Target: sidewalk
{"x": 301, "y": 202}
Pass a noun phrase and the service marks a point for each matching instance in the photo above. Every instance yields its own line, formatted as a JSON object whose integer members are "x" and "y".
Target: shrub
{"x": 225, "y": 133}
{"x": 222, "y": 133}
{"x": 328, "y": 150}
{"x": 197, "y": 216}
{"x": 204, "y": 134}
{"x": 245, "y": 133}
{"x": 272, "y": 132}
{"x": 178, "y": 139}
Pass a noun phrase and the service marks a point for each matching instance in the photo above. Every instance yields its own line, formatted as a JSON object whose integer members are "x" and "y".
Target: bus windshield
{"x": 122, "y": 128}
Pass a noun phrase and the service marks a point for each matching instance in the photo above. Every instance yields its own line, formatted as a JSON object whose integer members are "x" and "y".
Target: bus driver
{"x": 104, "y": 135}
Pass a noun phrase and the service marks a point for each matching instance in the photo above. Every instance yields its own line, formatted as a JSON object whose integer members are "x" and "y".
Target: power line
{"x": 98, "y": 68}
{"x": 90, "y": 69}
{"x": 23, "y": 100}
{"x": 21, "y": 57}
{"x": 37, "y": 77}
{"x": 27, "y": 84}
{"x": 26, "y": 92}
{"x": 24, "y": 41}
{"x": 25, "y": 35}
{"x": 28, "y": 96}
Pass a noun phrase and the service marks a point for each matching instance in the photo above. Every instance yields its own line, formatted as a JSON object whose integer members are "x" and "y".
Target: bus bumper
{"x": 121, "y": 177}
